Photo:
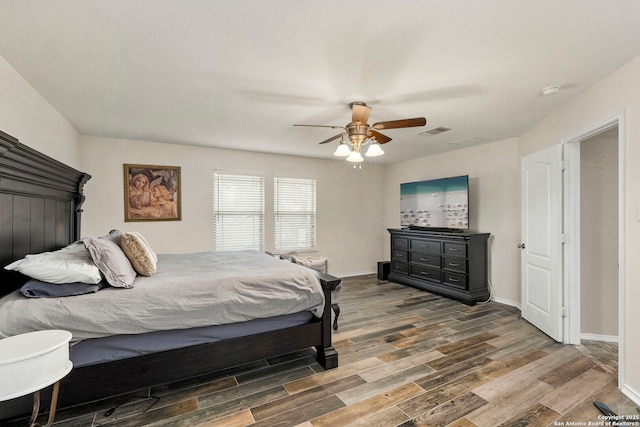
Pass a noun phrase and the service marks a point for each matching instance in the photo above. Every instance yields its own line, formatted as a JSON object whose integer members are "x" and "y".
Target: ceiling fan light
{"x": 355, "y": 157}
{"x": 374, "y": 151}
{"x": 343, "y": 150}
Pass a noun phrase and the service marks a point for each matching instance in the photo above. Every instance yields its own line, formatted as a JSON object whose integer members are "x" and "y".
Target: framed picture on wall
{"x": 152, "y": 193}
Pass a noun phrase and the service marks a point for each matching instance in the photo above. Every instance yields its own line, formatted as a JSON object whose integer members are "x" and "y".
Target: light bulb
{"x": 355, "y": 157}
{"x": 374, "y": 151}
{"x": 343, "y": 150}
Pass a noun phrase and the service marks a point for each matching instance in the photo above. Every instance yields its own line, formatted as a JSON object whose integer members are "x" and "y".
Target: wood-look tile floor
{"x": 407, "y": 358}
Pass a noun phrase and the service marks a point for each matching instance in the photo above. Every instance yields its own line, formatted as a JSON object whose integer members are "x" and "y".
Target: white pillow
{"x": 68, "y": 265}
{"x": 320, "y": 263}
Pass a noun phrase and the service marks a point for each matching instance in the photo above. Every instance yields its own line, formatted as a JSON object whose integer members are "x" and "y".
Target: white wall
{"x": 27, "y": 116}
{"x": 349, "y": 201}
{"x": 494, "y": 203}
{"x": 618, "y": 92}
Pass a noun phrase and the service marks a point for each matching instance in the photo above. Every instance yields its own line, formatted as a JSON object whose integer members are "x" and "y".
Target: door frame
{"x": 571, "y": 207}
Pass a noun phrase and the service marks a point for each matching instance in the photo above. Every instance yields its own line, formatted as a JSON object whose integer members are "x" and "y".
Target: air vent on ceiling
{"x": 434, "y": 131}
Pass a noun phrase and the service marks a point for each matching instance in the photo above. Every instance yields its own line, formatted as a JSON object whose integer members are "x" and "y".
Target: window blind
{"x": 238, "y": 211}
{"x": 295, "y": 214}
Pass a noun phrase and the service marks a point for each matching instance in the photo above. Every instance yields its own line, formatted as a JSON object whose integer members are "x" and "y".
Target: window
{"x": 295, "y": 214}
{"x": 238, "y": 211}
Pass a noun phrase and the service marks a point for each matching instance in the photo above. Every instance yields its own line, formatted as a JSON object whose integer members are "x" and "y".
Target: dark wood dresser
{"x": 445, "y": 263}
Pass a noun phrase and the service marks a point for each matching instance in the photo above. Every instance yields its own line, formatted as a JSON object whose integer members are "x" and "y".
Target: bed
{"x": 40, "y": 211}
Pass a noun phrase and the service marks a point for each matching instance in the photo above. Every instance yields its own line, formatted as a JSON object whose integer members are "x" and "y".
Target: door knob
{"x": 521, "y": 245}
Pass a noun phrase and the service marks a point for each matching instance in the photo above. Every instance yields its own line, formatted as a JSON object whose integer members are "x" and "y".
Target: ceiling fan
{"x": 358, "y": 133}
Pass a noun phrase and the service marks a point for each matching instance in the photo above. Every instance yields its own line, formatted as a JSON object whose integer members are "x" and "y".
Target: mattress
{"x": 99, "y": 350}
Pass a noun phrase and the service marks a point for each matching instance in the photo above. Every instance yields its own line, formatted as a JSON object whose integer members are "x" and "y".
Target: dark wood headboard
{"x": 40, "y": 205}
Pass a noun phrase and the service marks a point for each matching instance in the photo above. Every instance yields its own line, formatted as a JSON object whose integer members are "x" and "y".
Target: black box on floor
{"x": 384, "y": 267}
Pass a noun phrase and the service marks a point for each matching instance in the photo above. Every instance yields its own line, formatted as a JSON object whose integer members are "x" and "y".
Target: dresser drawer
{"x": 455, "y": 249}
{"x": 399, "y": 255}
{"x": 456, "y": 264}
{"x": 426, "y": 273}
{"x": 400, "y": 243}
{"x": 426, "y": 246}
{"x": 426, "y": 259}
{"x": 453, "y": 279}
{"x": 399, "y": 267}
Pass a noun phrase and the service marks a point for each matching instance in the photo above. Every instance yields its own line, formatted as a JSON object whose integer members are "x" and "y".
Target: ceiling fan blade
{"x": 332, "y": 138}
{"x": 404, "y": 123}
{"x": 324, "y": 126}
{"x": 380, "y": 138}
{"x": 360, "y": 113}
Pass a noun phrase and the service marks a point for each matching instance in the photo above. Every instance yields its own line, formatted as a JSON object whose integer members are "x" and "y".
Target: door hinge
{"x": 564, "y": 238}
{"x": 563, "y": 165}
{"x": 563, "y": 311}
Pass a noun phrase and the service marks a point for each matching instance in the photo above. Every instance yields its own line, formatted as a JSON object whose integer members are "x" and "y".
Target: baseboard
{"x": 506, "y": 302}
{"x": 362, "y": 273}
{"x": 631, "y": 394}
{"x": 597, "y": 337}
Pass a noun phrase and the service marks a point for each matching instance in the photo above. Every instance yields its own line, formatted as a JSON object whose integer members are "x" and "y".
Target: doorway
{"x": 594, "y": 223}
{"x": 599, "y": 237}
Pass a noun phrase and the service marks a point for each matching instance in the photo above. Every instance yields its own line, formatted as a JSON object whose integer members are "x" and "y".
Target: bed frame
{"x": 40, "y": 210}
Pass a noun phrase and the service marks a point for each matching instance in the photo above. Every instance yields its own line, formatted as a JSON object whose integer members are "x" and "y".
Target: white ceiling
{"x": 239, "y": 73}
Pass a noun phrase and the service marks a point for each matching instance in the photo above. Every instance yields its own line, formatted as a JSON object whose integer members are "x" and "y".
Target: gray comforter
{"x": 188, "y": 290}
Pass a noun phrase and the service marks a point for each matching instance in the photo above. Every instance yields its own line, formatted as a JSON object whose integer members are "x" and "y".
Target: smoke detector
{"x": 550, "y": 90}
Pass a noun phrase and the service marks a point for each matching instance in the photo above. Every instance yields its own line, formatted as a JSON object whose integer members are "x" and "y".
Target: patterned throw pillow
{"x": 140, "y": 254}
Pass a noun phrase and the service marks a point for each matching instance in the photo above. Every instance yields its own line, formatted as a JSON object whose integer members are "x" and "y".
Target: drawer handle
{"x": 424, "y": 259}
{"x": 398, "y": 254}
{"x": 451, "y": 264}
{"x": 425, "y": 273}
{"x": 451, "y": 279}
{"x": 454, "y": 249}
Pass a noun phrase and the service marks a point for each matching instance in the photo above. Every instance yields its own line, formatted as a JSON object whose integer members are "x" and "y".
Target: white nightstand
{"x": 32, "y": 361}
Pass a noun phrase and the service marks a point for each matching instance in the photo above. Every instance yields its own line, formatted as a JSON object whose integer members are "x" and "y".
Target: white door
{"x": 541, "y": 182}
